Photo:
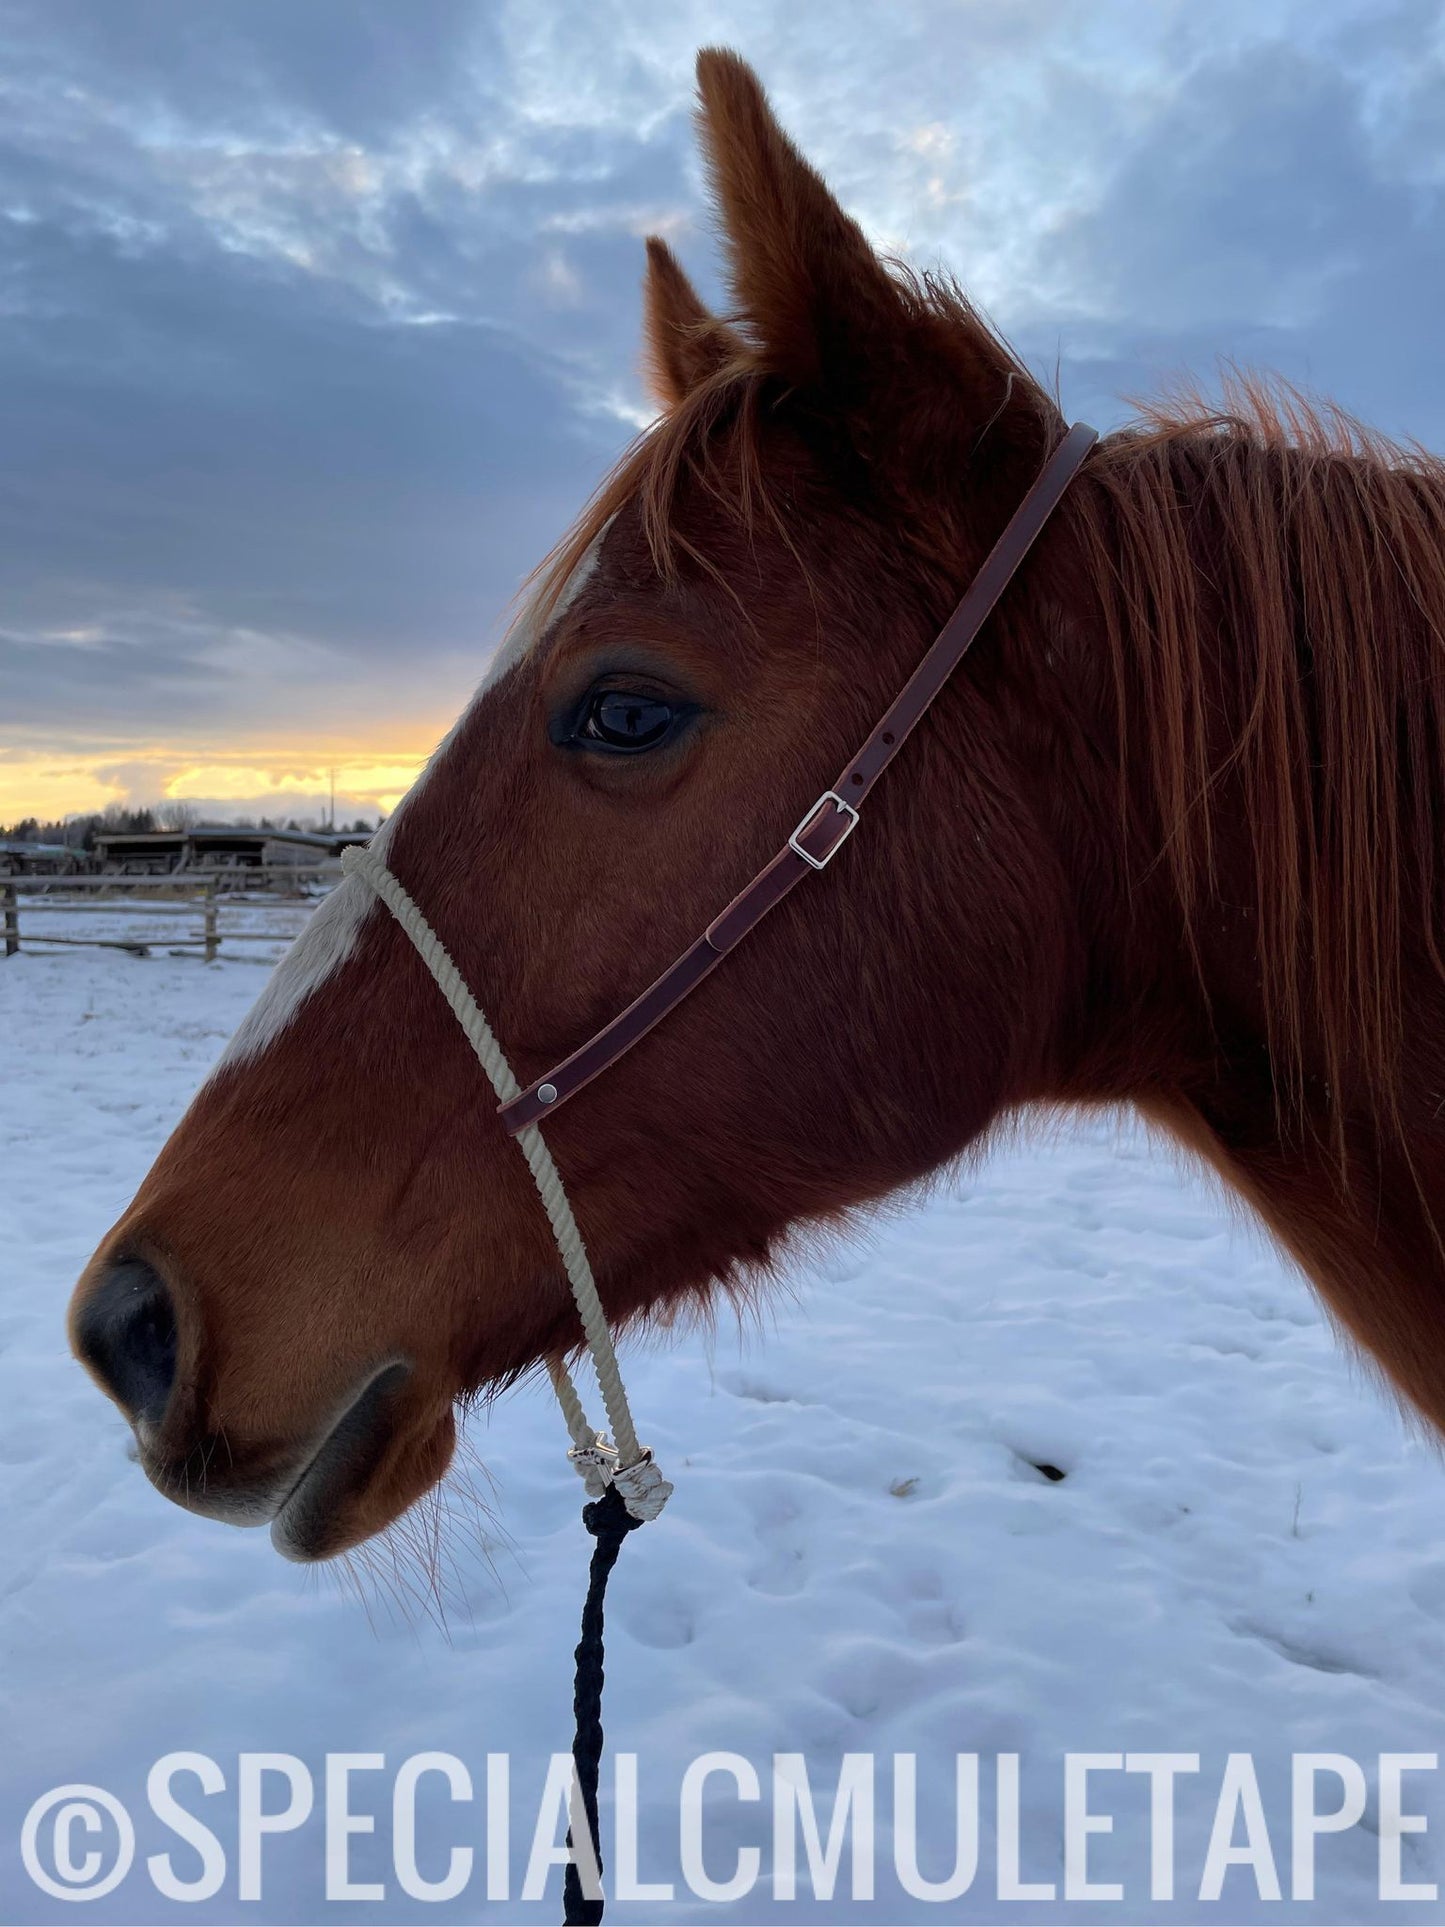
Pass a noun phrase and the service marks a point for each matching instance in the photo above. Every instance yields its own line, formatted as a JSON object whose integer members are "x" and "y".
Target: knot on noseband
{"x": 644, "y": 1490}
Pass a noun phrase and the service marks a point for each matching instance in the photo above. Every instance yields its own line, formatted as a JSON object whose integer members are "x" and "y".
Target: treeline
{"x": 79, "y": 832}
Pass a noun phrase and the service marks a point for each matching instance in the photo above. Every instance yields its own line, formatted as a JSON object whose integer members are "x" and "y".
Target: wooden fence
{"x": 202, "y": 897}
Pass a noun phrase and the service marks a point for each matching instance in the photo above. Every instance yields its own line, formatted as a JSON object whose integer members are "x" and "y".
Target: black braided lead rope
{"x": 609, "y": 1522}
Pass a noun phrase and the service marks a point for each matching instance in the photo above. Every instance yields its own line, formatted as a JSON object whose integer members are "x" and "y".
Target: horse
{"x": 1167, "y": 841}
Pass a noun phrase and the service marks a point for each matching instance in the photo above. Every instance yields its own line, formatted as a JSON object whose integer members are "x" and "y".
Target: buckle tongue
{"x": 842, "y": 830}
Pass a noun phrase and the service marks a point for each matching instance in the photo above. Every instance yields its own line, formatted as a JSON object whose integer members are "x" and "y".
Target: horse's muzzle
{"x": 320, "y": 1489}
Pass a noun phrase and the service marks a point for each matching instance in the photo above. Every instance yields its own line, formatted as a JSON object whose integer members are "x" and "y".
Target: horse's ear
{"x": 815, "y": 297}
{"x": 685, "y": 342}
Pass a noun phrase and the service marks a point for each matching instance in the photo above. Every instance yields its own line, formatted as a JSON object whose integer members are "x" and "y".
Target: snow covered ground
{"x": 1245, "y": 1553}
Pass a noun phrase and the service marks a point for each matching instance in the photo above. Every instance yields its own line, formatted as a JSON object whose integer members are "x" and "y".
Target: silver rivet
{"x": 546, "y": 1093}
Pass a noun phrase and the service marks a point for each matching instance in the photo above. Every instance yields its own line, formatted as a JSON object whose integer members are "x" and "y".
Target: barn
{"x": 223, "y": 846}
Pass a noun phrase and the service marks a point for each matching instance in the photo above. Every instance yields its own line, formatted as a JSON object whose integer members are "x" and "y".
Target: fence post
{"x": 213, "y": 941}
{"x": 12, "y": 919}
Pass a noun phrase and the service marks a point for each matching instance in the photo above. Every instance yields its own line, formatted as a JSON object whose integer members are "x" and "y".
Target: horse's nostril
{"x": 126, "y": 1333}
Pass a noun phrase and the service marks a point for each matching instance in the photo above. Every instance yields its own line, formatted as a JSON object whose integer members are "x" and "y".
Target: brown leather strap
{"x": 828, "y": 823}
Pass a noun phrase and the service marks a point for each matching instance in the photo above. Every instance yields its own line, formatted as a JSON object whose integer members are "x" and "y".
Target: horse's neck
{"x": 1275, "y": 1002}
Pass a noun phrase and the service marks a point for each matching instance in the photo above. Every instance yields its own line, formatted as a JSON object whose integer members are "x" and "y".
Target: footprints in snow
{"x": 792, "y": 1538}
{"x": 1300, "y": 1652}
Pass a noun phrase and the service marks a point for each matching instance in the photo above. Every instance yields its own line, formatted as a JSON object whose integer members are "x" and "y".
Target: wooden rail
{"x": 268, "y": 877}
{"x": 200, "y": 892}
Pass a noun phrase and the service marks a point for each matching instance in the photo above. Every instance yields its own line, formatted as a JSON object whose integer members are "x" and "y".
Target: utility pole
{"x": 331, "y": 819}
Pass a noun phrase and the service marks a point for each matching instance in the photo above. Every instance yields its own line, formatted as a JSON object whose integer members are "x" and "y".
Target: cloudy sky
{"x": 318, "y": 318}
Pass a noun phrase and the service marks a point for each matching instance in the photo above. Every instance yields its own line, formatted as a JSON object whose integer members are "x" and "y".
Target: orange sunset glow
{"x": 259, "y": 779}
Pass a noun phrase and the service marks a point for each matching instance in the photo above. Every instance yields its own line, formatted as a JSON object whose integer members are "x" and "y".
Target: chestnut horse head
{"x": 1165, "y": 839}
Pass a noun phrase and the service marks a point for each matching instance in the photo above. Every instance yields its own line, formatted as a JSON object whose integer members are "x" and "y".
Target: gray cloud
{"x": 1270, "y": 219}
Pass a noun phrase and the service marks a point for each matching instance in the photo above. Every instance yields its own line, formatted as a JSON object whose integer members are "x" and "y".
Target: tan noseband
{"x": 626, "y": 1465}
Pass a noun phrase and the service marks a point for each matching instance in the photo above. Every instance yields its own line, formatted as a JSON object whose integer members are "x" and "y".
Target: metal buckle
{"x": 844, "y": 809}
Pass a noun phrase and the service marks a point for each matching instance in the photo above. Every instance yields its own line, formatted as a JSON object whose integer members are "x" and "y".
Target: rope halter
{"x": 624, "y": 1465}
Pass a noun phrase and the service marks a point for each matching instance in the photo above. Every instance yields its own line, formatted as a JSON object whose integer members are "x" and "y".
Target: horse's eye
{"x": 624, "y": 719}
